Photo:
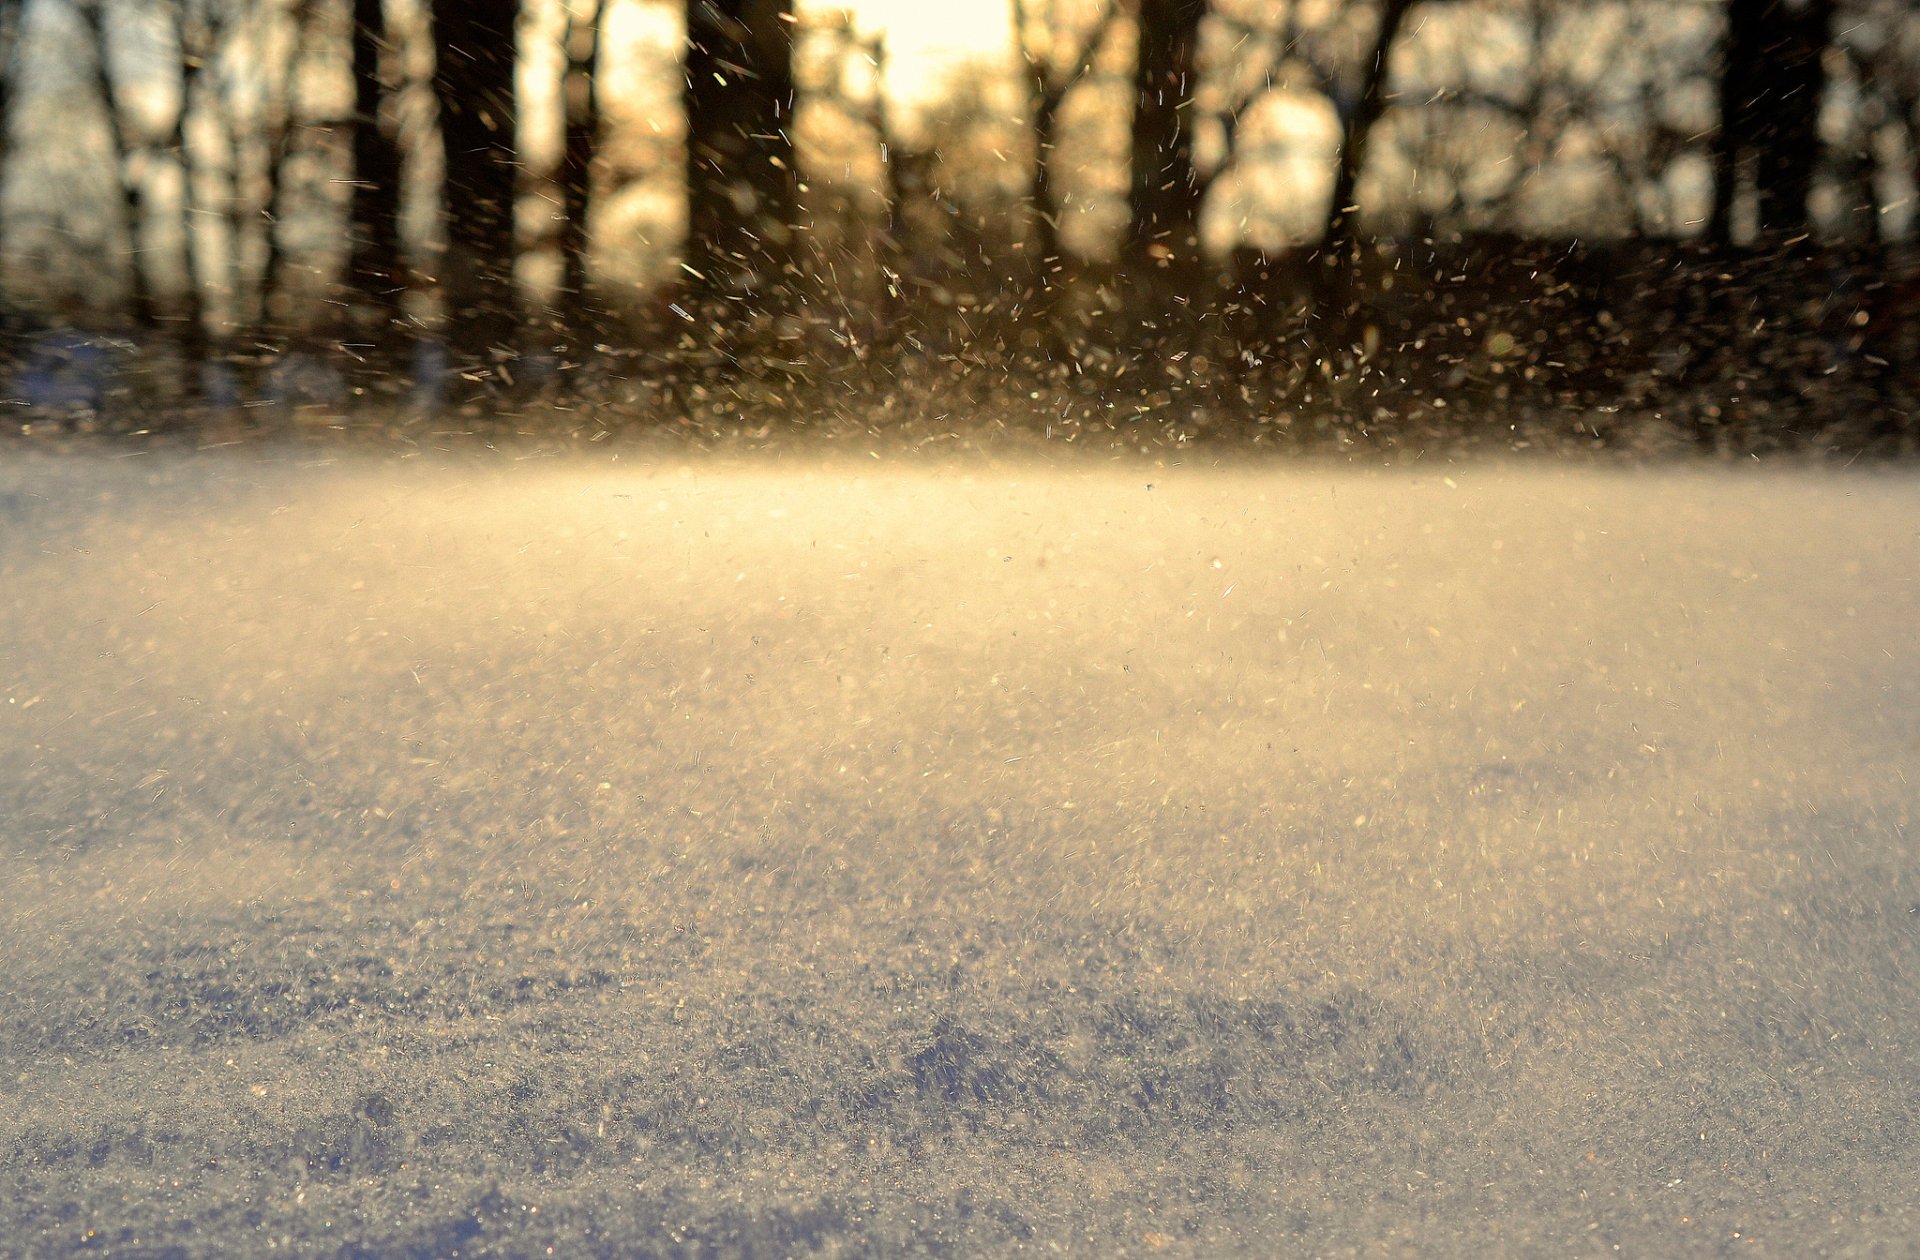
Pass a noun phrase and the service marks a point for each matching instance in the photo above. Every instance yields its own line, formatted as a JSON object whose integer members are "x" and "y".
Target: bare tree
{"x": 894, "y": 245}
{"x": 742, "y": 190}
{"x": 1245, "y": 61}
{"x": 375, "y": 271}
{"x": 1879, "y": 43}
{"x": 1056, "y": 55}
{"x": 1594, "y": 87}
{"x": 581, "y": 98}
{"x": 1165, "y": 190}
{"x": 1202, "y": 66}
{"x": 199, "y": 27}
{"x": 845, "y": 72}
{"x": 1359, "y": 112}
{"x": 127, "y": 157}
{"x": 11, "y": 12}
{"x": 266, "y": 127}
{"x": 474, "y": 44}
{"x": 1772, "y": 82}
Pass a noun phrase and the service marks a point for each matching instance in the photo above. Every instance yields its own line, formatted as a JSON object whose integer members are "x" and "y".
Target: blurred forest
{"x": 1294, "y": 221}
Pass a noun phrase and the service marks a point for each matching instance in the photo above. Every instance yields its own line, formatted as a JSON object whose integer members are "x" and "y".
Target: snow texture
{"x": 754, "y": 857}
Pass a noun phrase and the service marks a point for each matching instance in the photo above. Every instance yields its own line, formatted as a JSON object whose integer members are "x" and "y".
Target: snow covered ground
{"x": 757, "y": 857}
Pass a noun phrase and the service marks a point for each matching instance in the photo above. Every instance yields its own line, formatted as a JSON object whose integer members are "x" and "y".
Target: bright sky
{"x": 926, "y": 40}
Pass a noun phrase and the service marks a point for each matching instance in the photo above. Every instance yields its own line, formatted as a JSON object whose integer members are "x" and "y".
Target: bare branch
{"x": 1273, "y": 49}
{"x": 1036, "y": 72}
{"x": 1047, "y": 83}
{"x": 1090, "y": 47}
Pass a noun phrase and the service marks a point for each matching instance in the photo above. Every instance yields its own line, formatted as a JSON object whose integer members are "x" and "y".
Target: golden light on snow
{"x": 1539, "y": 826}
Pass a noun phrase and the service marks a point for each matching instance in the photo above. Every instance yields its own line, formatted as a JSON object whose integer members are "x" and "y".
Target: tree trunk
{"x": 259, "y": 157}
{"x": 375, "y": 272}
{"x": 1044, "y": 208}
{"x": 1336, "y": 277}
{"x": 1163, "y": 234}
{"x": 742, "y": 192}
{"x": 473, "y": 78}
{"x": 576, "y": 166}
{"x": 193, "y": 334}
{"x": 1734, "y": 137}
{"x": 140, "y": 305}
{"x": 893, "y": 248}
{"x": 10, "y": 14}
{"x": 1790, "y": 148}
{"x": 1772, "y": 81}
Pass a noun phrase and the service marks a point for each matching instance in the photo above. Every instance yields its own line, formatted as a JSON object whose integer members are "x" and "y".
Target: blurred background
{"x": 1592, "y": 221}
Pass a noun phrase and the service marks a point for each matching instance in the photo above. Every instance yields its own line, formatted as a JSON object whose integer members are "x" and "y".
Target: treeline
{"x": 1535, "y": 212}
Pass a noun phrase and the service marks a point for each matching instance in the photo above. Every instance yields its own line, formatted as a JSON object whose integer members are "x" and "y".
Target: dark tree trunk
{"x": 275, "y": 313}
{"x": 1863, "y": 205}
{"x": 279, "y": 314}
{"x": 576, "y": 167}
{"x": 1336, "y": 277}
{"x": 1165, "y": 190}
{"x": 376, "y": 274}
{"x": 194, "y": 336}
{"x": 1772, "y": 81}
{"x": 1733, "y": 141}
{"x": 1790, "y": 148}
{"x": 742, "y": 192}
{"x": 1048, "y": 83}
{"x": 140, "y": 305}
{"x": 894, "y": 249}
{"x": 473, "y": 78}
{"x": 250, "y": 210}
{"x": 10, "y": 15}
{"x": 1044, "y": 207}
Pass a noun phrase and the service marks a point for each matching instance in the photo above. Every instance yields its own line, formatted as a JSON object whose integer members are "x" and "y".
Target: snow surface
{"x": 760, "y": 857}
